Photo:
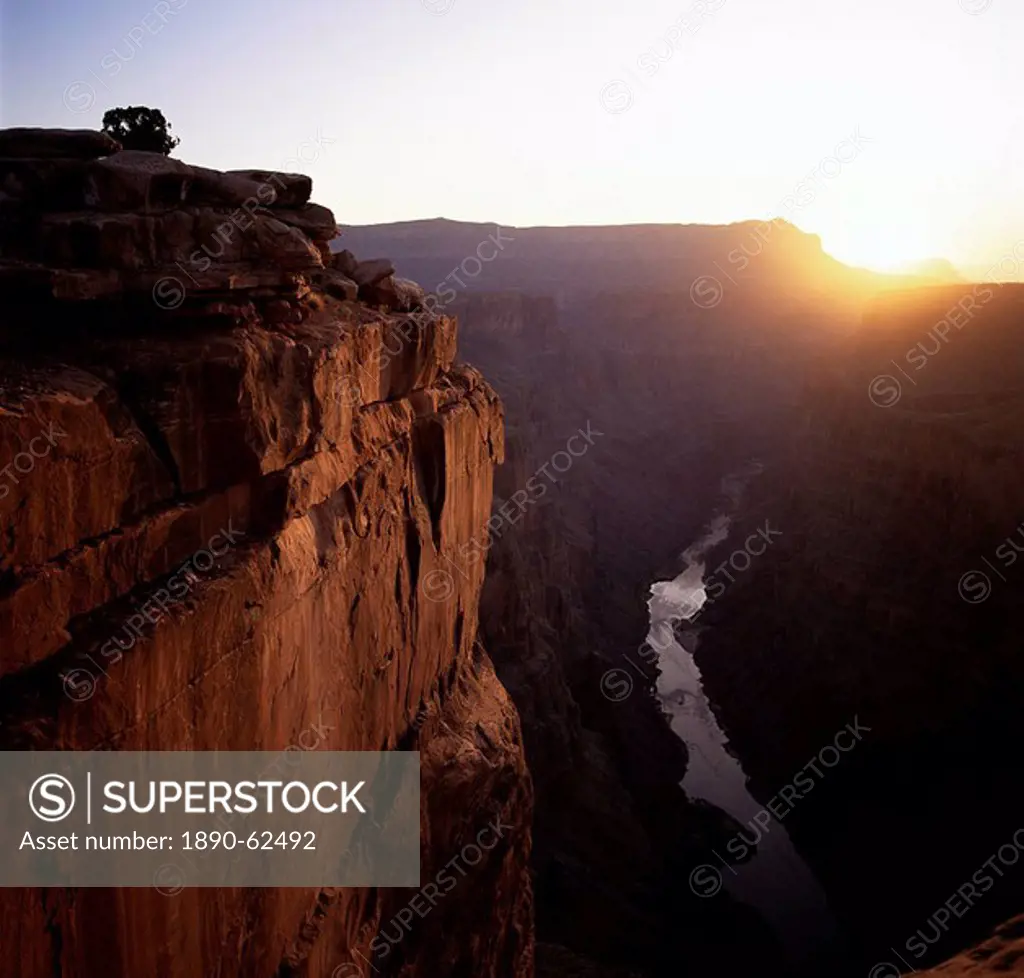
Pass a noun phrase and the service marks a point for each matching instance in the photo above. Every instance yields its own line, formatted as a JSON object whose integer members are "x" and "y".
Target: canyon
{"x": 881, "y": 411}
{"x": 259, "y": 493}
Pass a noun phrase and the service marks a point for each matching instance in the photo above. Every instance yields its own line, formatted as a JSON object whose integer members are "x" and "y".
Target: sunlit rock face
{"x": 222, "y": 526}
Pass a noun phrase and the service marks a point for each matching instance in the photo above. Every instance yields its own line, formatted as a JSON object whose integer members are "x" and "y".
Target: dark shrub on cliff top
{"x": 138, "y": 127}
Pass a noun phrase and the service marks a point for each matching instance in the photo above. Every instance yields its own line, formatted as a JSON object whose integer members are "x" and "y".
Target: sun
{"x": 871, "y": 223}
{"x": 879, "y": 247}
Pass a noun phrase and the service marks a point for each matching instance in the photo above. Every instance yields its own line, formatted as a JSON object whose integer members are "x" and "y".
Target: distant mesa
{"x": 648, "y": 259}
{"x": 935, "y": 269}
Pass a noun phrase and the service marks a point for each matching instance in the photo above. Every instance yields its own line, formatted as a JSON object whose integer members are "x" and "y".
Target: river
{"x": 776, "y": 881}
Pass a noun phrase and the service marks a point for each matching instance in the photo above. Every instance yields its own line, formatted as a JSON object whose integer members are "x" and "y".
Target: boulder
{"x": 215, "y": 189}
{"x": 338, "y": 285}
{"x": 345, "y": 262}
{"x": 79, "y": 144}
{"x": 274, "y": 242}
{"x": 292, "y": 189}
{"x": 410, "y": 294}
{"x": 135, "y": 180}
{"x": 317, "y": 221}
{"x": 372, "y": 271}
{"x": 396, "y": 294}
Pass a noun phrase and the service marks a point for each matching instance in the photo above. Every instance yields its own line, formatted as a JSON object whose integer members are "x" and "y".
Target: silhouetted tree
{"x": 138, "y": 127}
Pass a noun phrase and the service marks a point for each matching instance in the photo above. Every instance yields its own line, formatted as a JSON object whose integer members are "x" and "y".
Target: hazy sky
{"x": 575, "y": 111}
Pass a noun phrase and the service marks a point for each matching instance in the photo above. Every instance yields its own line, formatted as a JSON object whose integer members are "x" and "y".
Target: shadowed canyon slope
{"x": 892, "y": 594}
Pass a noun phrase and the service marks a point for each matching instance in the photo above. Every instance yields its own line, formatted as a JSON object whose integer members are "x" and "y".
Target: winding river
{"x": 775, "y": 881}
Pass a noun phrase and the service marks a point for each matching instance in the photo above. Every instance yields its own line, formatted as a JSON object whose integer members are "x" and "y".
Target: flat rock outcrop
{"x": 83, "y": 219}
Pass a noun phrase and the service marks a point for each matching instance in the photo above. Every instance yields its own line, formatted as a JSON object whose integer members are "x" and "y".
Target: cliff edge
{"x": 229, "y": 464}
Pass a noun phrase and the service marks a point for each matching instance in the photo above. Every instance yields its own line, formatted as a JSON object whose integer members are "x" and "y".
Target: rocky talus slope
{"x": 226, "y": 469}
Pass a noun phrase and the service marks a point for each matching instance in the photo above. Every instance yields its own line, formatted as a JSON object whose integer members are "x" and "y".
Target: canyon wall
{"x": 229, "y": 465}
{"x": 882, "y": 510}
{"x": 686, "y": 345}
{"x": 614, "y": 834}
{"x": 890, "y": 592}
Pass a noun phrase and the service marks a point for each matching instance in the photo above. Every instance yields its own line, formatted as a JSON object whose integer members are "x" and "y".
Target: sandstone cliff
{"x": 228, "y": 468}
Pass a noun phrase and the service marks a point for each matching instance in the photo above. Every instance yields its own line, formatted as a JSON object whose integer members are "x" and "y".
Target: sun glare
{"x": 885, "y": 248}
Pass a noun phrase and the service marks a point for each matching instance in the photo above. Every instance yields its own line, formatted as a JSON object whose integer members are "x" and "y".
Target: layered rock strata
{"x": 216, "y": 518}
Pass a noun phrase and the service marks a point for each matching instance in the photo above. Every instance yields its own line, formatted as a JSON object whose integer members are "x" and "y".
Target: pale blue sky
{"x": 560, "y": 111}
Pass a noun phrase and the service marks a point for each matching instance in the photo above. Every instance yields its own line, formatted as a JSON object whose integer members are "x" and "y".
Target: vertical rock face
{"x": 219, "y": 519}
